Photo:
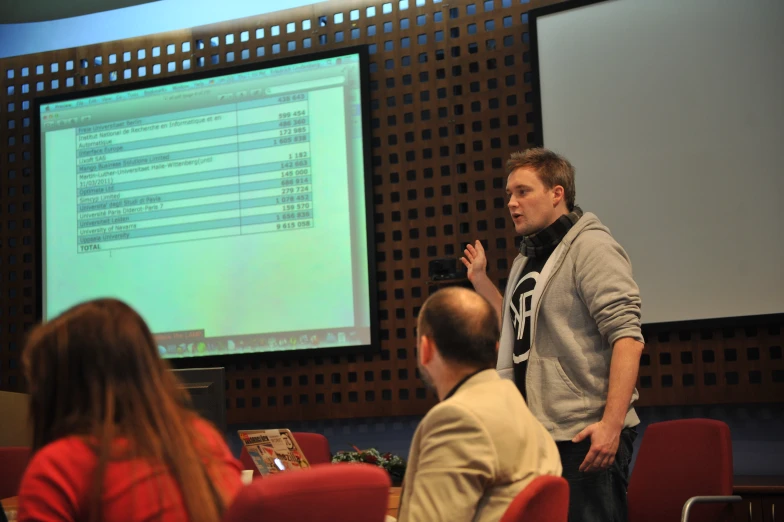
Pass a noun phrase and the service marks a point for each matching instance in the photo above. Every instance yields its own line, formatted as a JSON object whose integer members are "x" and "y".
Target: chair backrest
{"x": 324, "y": 493}
{"x": 677, "y": 460}
{"x": 13, "y": 462}
{"x": 544, "y": 499}
{"x": 247, "y": 462}
{"x": 315, "y": 446}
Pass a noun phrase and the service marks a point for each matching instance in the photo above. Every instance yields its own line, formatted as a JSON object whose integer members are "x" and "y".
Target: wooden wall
{"x": 450, "y": 95}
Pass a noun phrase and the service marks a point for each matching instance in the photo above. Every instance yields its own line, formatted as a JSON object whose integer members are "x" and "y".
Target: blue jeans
{"x": 598, "y": 496}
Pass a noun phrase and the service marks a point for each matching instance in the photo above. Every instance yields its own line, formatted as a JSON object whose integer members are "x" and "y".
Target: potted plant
{"x": 393, "y": 464}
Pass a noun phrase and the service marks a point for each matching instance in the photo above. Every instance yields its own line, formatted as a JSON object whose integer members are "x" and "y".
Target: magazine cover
{"x": 273, "y": 451}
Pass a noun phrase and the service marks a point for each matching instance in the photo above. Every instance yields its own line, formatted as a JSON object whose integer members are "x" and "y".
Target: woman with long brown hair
{"x": 113, "y": 436}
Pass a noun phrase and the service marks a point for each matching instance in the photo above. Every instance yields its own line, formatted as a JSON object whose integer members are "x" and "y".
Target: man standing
{"x": 480, "y": 446}
{"x": 570, "y": 331}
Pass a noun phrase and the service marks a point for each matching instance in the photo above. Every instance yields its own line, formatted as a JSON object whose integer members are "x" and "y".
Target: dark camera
{"x": 445, "y": 269}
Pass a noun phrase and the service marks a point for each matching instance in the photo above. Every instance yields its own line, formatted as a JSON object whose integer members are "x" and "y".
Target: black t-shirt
{"x": 520, "y": 307}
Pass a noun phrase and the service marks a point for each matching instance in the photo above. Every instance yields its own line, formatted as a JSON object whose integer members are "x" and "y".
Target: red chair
{"x": 247, "y": 462}
{"x": 13, "y": 462}
{"x": 323, "y": 493}
{"x": 545, "y": 499}
{"x": 680, "y": 464}
{"x": 315, "y": 446}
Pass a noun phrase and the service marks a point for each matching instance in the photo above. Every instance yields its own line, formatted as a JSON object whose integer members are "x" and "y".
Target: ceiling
{"x": 25, "y": 11}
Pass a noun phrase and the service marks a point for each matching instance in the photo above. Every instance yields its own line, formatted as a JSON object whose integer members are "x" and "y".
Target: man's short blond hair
{"x": 552, "y": 169}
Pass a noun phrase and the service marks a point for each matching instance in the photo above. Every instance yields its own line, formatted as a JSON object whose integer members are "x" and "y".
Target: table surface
{"x": 9, "y": 506}
{"x": 394, "y": 502}
{"x": 758, "y": 484}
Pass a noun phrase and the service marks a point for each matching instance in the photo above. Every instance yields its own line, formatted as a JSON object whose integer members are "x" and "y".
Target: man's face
{"x": 530, "y": 203}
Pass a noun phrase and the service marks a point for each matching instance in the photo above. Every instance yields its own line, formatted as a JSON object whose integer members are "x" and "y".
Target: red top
{"x": 57, "y": 484}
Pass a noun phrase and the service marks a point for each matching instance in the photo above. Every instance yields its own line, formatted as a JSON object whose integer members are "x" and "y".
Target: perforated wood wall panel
{"x": 732, "y": 364}
{"x": 450, "y": 89}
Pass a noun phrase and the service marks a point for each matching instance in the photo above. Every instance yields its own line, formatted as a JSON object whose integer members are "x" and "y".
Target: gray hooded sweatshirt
{"x": 584, "y": 301}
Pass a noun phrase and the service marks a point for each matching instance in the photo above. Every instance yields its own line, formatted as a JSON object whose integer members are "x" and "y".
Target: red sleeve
{"x": 53, "y": 483}
{"x": 225, "y": 470}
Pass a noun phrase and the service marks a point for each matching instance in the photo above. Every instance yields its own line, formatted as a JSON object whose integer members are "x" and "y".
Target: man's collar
{"x": 462, "y": 381}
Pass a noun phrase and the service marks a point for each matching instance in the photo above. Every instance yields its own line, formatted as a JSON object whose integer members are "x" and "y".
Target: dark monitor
{"x": 207, "y": 388}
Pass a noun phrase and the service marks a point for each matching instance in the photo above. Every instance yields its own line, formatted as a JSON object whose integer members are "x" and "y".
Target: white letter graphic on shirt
{"x": 521, "y": 313}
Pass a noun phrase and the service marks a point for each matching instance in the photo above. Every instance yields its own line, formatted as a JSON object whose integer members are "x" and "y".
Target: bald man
{"x": 480, "y": 446}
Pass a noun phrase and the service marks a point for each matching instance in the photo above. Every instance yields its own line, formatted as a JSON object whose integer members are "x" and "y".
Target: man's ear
{"x": 558, "y": 195}
{"x": 426, "y": 350}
